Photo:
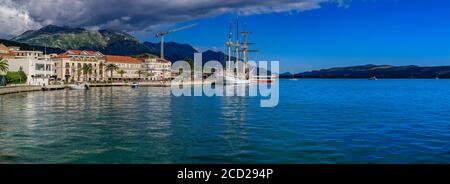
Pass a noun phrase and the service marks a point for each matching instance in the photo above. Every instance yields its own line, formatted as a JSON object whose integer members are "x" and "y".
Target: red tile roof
{"x": 162, "y": 60}
{"x": 122, "y": 59}
{"x": 78, "y": 52}
{"x": 60, "y": 56}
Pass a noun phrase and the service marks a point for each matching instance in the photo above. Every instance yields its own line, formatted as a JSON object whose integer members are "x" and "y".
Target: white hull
{"x": 234, "y": 80}
{"x": 79, "y": 87}
{"x": 134, "y": 85}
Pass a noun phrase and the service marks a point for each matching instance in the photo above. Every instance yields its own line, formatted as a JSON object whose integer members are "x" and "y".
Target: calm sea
{"x": 316, "y": 121}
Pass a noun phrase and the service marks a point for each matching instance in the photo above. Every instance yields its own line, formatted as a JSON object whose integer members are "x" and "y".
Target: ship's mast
{"x": 236, "y": 44}
{"x": 229, "y": 45}
{"x": 245, "y": 51}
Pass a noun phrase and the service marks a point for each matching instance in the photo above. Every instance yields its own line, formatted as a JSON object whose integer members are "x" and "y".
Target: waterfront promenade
{"x": 18, "y": 89}
{"x": 29, "y": 88}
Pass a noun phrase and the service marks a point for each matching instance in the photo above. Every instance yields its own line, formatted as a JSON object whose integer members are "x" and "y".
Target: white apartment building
{"x": 38, "y": 68}
{"x": 157, "y": 69}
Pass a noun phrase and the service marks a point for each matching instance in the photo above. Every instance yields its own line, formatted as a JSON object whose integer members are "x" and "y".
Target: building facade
{"x": 129, "y": 65}
{"x": 40, "y": 70}
{"x": 69, "y": 66}
{"x": 3, "y": 50}
{"x": 157, "y": 69}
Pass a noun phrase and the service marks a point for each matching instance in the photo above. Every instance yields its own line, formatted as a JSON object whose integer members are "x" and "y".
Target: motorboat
{"x": 373, "y": 78}
{"x": 135, "y": 85}
{"x": 79, "y": 86}
{"x": 293, "y": 78}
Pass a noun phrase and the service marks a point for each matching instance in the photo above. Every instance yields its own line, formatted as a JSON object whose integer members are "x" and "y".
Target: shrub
{"x": 16, "y": 77}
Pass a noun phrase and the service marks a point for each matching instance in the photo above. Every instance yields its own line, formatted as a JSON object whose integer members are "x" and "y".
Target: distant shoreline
{"x": 355, "y": 78}
{"x": 378, "y": 71}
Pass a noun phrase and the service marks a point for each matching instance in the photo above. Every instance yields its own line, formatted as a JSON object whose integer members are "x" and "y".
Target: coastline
{"x": 4, "y": 90}
{"x": 18, "y": 89}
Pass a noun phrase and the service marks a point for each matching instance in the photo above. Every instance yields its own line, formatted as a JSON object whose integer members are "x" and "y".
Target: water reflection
{"x": 317, "y": 121}
{"x": 75, "y": 125}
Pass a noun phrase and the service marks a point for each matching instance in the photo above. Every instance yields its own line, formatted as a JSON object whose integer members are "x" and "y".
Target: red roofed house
{"x": 129, "y": 65}
{"x": 4, "y": 51}
{"x": 69, "y": 65}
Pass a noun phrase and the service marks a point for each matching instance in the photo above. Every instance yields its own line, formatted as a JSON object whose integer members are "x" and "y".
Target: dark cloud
{"x": 132, "y": 15}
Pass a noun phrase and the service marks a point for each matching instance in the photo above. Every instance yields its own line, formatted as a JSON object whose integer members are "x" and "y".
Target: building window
{"x": 40, "y": 67}
{"x": 67, "y": 65}
{"x": 48, "y": 67}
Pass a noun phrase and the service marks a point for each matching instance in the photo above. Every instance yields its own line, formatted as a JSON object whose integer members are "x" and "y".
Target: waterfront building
{"x": 129, "y": 65}
{"x": 3, "y": 49}
{"x": 38, "y": 67}
{"x": 26, "y": 54}
{"x": 157, "y": 69}
{"x": 5, "y": 52}
{"x": 69, "y": 66}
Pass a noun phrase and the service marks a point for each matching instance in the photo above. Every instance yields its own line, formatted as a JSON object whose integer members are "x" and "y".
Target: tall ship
{"x": 237, "y": 70}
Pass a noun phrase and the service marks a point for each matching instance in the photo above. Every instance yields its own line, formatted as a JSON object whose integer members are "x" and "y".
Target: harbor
{"x": 361, "y": 121}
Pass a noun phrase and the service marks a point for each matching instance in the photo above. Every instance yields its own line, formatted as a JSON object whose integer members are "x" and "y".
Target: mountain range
{"x": 58, "y": 39}
{"x": 379, "y": 71}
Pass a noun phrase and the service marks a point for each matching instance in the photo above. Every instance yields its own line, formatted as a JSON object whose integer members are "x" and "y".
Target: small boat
{"x": 134, "y": 85}
{"x": 293, "y": 78}
{"x": 79, "y": 86}
{"x": 373, "y": 78}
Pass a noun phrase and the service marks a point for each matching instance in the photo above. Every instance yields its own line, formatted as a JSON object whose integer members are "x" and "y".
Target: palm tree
{"x": 111, "y": 67}
{"x": 78, "y": 74}
{"x": 101, "y": 69}
{"x": 3, "y": 65}
{"x": 121, "y": 72}
{"x": 87, "y": 69}
{"x": 140, "y": 72}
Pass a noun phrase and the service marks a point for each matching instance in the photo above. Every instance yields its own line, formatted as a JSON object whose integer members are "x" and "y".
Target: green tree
{"x": 16, "y": 77}
{"x": 3, "y": 65}
{"x": 101, "y": 69}
{"x": 121, "y": 72}
{"x": 140, "y": 72}
{"x": 111, "y": 68}
{"x": 78, "y": 74}
{"x": 87, "y": 69}
{"x": 191, "y": 63}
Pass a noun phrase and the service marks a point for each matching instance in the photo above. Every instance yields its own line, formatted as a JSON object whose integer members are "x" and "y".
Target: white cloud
{"x": 14, "y": 20}
{"x": 132, "y": 15}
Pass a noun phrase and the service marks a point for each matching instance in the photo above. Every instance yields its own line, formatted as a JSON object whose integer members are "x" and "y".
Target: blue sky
{"x": 395, "y": 32}
{"x": 302, "y": 34}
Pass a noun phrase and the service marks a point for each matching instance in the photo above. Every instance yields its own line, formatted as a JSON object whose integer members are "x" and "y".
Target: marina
{"x": 360, "y": 122}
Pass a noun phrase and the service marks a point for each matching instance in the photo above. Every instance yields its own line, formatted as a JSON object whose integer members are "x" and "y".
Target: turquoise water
{"x": 316, "y": 121}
